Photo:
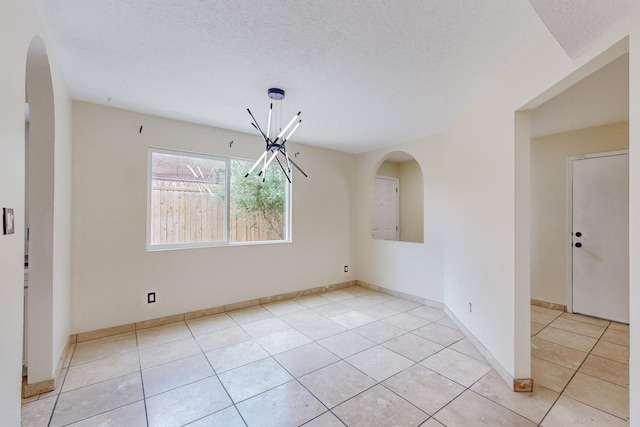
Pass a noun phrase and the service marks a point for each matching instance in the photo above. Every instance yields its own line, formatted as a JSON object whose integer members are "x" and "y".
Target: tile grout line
{"x": 144, "y": 399}
{"x": 233, "y": 403}
{"x": 562, "y": 393}
{"x": 53, "y": 409}
{"x": 99, "y": 382}
{"x": 570, "y": 379}
{"x": 144, "y": 394}
{"x": 465, "y": 388}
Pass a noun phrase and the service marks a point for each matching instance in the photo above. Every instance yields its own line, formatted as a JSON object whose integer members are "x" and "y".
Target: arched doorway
{"x": 39, "y": 221}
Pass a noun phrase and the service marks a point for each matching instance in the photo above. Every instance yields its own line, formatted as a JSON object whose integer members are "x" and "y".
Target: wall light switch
{"x": 7, "y": 221}
{"x": 151, "y": 297}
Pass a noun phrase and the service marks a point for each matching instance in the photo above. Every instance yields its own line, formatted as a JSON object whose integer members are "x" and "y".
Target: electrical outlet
{"x": 346, "y": 268}
{"x": 151, "y": 297}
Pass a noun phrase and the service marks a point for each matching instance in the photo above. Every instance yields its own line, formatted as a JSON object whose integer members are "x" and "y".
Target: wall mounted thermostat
{"x": 7, "y": 221}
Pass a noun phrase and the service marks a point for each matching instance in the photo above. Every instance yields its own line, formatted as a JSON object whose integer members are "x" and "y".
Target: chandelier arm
{"x": 289, "y": 125}
{"x": 283, "y": 150}
{"x": 298, "y": 167}
{"x": 266, "y": 165}
{"x": 261, "y": 134}
{"x": 269, "y": 120}
{"x": 264, "y": 162}
{"x": 283, "y": 171}
{"x": 286, "y": 155}
{"x": 256, "y": 125}
{"x": 256, "y": 164}
{"x": 292, "y": 131}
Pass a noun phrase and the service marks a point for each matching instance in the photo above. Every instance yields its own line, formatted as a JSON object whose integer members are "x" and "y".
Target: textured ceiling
{"x": 578, "y": 23}
{"x": 364, "y": 73}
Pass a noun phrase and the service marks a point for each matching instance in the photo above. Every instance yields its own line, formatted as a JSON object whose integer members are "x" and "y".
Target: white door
{"x": 385, "y": 208}
{"x": 600, "y": 237}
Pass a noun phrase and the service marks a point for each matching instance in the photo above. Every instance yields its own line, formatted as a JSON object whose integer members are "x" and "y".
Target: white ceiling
{"x": 578, "y": 23}
{"x": 364, "y": 73}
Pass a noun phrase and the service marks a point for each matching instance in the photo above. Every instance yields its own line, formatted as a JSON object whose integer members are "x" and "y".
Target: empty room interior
{"x": 320, "y": 213}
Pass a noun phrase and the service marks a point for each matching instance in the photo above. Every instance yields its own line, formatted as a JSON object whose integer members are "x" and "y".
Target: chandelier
{"x": 275, "y": 138}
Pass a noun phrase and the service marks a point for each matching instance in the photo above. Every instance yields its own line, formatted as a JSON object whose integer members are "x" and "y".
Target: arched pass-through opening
{"x": 39, "y": 209}
{"x": 397, "y": 203}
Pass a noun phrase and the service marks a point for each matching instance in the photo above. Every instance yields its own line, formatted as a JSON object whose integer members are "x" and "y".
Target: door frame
{"x": 569, "y": 245}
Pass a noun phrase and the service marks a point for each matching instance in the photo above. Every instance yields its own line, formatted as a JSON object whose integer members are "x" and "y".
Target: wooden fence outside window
{"x": 185, "y": 212}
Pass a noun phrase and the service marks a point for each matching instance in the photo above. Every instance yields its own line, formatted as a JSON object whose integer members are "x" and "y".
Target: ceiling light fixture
{"x": 275, "y": 138}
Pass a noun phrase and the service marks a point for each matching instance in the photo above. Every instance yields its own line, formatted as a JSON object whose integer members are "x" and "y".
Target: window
{"x": 187, "y": 202}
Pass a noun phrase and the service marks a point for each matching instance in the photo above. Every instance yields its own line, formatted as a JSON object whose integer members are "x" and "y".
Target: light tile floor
{"x": 349, "y": 357}
{"x": 587, "y": 361}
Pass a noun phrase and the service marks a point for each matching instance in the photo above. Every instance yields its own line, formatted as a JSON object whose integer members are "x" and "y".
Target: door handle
{"x": 578, "y": 245}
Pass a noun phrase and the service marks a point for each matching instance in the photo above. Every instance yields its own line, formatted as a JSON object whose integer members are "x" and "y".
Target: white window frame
{"x": 226, "y": 241}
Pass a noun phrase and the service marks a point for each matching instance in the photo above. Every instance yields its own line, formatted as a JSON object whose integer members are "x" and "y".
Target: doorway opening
{"x": 39, "y": 204}
{"x": 591, "y": 116}
{"x": 585, "y": 113}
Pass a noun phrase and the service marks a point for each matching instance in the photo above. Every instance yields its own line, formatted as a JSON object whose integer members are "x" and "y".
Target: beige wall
{"x": 389, "y": 169}
{"x": 412, "y": 268}
{"x": 113, "y": 272}
{"x": 20, "y": 24}
{"x": 549, "y": 201}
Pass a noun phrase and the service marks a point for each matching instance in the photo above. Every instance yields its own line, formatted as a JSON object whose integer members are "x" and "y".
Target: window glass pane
{"x": 257, "y": 208}
{"x": 187, "y": 199}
